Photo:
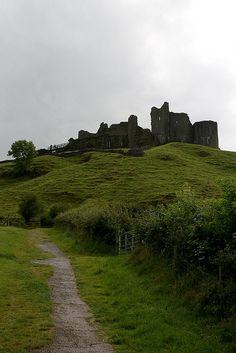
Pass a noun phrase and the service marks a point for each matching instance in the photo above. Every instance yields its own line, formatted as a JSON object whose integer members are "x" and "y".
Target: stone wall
{"x": 206, "y": 133}
{"x": 166, "y": 127}
{"x": 181, "y": 129}
{"x": 160, "y": 121}
{"x": 169, "y": 127}
{"x": 133, "y": 131}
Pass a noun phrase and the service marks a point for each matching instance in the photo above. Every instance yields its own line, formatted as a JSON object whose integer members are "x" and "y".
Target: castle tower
{"x": 181, "y": 129}
{"x": 160, "y": 121}
{"x": 206, "y": 133}
{"x": 132, "y": 131}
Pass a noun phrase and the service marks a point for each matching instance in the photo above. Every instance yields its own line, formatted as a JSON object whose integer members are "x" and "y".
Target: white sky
{"x": 68, "y": 65}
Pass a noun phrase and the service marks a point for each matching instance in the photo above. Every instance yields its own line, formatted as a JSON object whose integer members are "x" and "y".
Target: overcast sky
{"x": 68, "y": 65}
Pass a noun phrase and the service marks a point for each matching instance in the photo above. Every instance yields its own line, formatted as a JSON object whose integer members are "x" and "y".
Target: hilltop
{"x": 96, "y": 177}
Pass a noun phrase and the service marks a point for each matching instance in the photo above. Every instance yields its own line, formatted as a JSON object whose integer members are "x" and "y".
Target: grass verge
{"x": 136, "y": 307}
{"x": 25, "y": 308}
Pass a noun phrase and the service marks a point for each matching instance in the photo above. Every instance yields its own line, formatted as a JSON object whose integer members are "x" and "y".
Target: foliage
{"x": 48, "y": 218}
{"x": 46, "y": 221}
{"x": 193, "y": 235}
{"x": 29, "y": 207}
{"x": 93, "y": 223}
{"x": 198, "y": 236}
{"x": 56, "y": 209}
{"x": 23, "y": 151}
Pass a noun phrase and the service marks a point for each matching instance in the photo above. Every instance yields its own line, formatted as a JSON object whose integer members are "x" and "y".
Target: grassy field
{"x": 25, "y": 308}
{"x": 108, "y": 177}
{"x": 137, "y": 307}
{"x": 135, "y": 304}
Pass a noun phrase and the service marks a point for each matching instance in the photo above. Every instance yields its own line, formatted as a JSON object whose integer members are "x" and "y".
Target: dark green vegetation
{"x": 25, "y": 308}
{"x": 196, "y": 237}
{"x": 138, "y": 306}
{"x": 23, "y": 153}
{"x": 29, "y": 207}
{"x": 96, "y": 178}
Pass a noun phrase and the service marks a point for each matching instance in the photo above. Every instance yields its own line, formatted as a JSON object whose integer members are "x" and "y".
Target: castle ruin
{"x": 166, "y": 127}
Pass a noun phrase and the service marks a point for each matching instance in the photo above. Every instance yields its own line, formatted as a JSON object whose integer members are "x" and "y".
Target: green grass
{"x": 25, "y": 308}
{"x": 137, "y": 306}
{"x": 109, "y": 177}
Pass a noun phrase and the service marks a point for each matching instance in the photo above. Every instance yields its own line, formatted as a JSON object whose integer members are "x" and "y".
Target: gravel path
{"x": 72, "y": 331}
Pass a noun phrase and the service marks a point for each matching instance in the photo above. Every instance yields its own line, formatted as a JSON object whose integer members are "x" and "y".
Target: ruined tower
{"x": 206, "y": 133}
{"x": 133, "y": 131}
{"x": 181, "y": 129}
{"x": 160, "y": 124}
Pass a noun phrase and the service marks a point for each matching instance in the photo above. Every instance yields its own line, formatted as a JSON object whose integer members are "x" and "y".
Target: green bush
{"x": 94, "y": 223}
{"x": 56, "y": 209}
{"x": 218, "y": 299}
{"x": 48, "y": 218}
{"x": 46, "y": 221}
{"x": 103, "y": 224}
{"x": 29, "y": 207}
{"x": 195, "y": 237}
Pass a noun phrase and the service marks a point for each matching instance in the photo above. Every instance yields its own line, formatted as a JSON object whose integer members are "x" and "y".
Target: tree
{"x": 29, "y": 207}
{"x": 23, "y": 151}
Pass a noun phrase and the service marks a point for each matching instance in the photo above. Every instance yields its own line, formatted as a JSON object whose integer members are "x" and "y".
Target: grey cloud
{"x": 70, "y": 64}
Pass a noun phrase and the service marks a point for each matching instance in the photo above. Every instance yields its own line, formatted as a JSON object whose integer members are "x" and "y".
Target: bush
{"x": 56, "y": 209}
{"x": 218, "y": 300}
{"x": 195, "y": 237}
{"x": 46, "y": 221}
{"x": 48, "y": 218}
{"x": 29, "y": 207}
{"x": 97, "y": 223}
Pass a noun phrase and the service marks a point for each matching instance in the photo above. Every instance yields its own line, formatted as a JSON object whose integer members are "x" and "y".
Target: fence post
{"x": 132, "y": 242}
{"x": 119, "y": 240}
{"x": 126, "y": 236}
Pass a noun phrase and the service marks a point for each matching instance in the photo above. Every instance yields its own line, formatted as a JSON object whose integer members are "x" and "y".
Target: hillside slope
{"x": 98, "y": 177}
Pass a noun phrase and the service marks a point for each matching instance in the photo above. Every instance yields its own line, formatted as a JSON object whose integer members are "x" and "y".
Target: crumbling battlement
{"x": 166, "y": 127}
{"x": 169, "y": 127}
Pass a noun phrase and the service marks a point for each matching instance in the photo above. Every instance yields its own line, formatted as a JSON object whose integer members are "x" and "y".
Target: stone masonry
{"x": 166, "y": 127}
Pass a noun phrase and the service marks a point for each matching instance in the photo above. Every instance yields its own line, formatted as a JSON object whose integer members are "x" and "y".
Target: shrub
{"x": 46, "y": 221}
{"x": 56, "y": 209}
{"x": 218, "y": 300}
{"x": 195, "y": 237}
{"x": 29, "y": 207}
{"x": 48, "y": 218}
{"x": 97, "y": 223}
{"x": 93, "y": 223}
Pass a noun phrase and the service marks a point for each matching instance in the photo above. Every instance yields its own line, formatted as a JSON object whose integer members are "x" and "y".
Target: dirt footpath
{"x": 73, "y": 333}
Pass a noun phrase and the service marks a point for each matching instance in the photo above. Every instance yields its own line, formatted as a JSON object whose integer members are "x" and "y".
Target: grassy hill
{"x": 109, "y": 177}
